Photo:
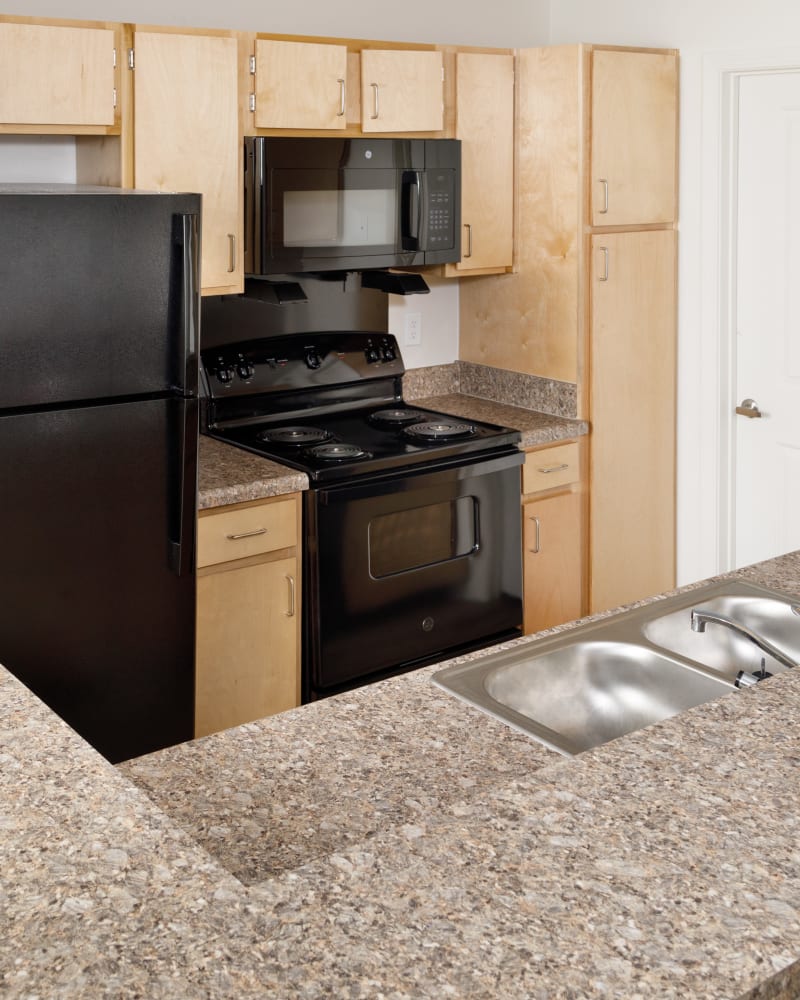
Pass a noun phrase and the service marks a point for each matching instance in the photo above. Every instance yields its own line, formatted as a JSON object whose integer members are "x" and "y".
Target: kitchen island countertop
{"x": 393, "y": 842}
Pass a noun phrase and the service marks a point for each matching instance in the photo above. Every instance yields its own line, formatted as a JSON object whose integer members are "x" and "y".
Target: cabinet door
{"x": 633, "y": 356}
{"x": 634, "y": 138}
{"x": 485, "y": 126}
{"x": 247, "y": 654}
{"x": 401, "y": 91}
{"x": 552, "y": 540}
{"x": 186, "y": 138}
{"x": 300, "y": 85}
{"x": 52, "y": 75}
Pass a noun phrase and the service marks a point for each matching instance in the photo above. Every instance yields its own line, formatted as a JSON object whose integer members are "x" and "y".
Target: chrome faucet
{"x": 699, "y": 620}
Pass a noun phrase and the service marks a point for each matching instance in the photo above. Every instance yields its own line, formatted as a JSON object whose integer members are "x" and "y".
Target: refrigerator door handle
{"x": 183, "y": 487}
{"x": 187, "y": 236}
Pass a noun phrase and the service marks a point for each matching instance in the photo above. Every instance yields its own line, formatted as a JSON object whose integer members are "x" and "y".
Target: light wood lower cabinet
{"x": 633, "y": 386}
{"x": 248, "y": 613}
{"x": 553, "y": 538}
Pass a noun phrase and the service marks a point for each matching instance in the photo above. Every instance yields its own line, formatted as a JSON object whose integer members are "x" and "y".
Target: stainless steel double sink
{"x": 596, "y": 682}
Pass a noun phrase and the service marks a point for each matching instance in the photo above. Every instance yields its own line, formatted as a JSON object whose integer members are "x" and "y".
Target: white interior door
{"x": 767, "y": 350}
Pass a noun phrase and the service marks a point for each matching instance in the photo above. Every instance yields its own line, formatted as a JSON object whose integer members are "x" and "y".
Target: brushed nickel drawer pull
{"x": 342, "y": 99}
{"x": 247, "y": 534}
{"x": 375, "y": 89}
{"x": 468, "y": 228}
{"x": 231, "y": 253}
{"x": 537, "y": 544}
{"x": 292, "y": 597}
{"x": 546, "y": 470}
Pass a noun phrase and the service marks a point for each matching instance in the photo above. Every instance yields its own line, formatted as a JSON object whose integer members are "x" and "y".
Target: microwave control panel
{"x": 440, "y": 233}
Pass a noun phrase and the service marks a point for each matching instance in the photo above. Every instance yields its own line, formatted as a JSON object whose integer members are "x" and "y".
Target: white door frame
{"x": 716, "y": 353}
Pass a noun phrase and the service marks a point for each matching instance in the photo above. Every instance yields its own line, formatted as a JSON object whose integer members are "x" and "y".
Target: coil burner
{"x": 301, "y": 437}
{"x": 396, "y": 418}
{"x": 337, "y": 451}
{"x": 439, "y": 430}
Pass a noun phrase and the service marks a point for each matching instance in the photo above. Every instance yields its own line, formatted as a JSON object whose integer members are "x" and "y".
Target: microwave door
{"x": 322, "y": 219}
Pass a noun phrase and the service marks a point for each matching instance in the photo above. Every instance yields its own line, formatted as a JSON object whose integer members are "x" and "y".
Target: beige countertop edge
{"x": 664, "y": 864}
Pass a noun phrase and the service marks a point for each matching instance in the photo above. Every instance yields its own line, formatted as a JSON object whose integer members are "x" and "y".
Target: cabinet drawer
{"x": 550, "y": 467}
{"x": 246, "y": 531}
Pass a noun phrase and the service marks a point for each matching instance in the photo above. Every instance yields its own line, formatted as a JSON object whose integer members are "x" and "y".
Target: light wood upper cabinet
{"x": 633, "y": 137}
{"x": 633, "y": 360}
{"x": 485, "y": 126}
{"x": 300, "y": 85}
{"x": 53, "y": 75}
{"x": 187, "y": 138}
{"x": 401, "y": 90}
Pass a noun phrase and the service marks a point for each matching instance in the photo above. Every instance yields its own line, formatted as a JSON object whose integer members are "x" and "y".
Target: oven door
{"x": 408, "y": 569}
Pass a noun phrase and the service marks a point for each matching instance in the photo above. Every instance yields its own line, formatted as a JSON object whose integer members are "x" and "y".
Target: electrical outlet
{"x": 413, "y": 331}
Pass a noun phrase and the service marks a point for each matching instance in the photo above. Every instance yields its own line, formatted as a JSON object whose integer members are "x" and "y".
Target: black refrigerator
{"x": 99, "y": 311}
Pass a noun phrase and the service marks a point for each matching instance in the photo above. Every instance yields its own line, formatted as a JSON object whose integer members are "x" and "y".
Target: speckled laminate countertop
{"x": 231, "y": 475}
{"x": 393, "y": 842}
{"x": 536, "y": 428}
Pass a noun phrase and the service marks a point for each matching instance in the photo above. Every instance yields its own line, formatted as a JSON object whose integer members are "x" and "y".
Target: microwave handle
{"x": 411, "y": 209}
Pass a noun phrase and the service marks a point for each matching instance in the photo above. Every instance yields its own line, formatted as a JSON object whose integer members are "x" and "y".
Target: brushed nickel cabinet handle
{"x": 468, "y": 228}
{"x": 604, "y": 209}
{"x": 537, "y": 543}
{"x": 546, "y": 470}
{"x": 247, "y": 534}
{"x": 375, "y": 89}
{"x": 292, "y": 596}
{"x": 604, "y": 252}
{"x": 342, "y": 99}
{"x": 231, "y": 253}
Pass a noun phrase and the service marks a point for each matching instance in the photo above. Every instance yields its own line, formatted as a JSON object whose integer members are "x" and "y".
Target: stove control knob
{"x": 372, "y": 355}
{"x": 388, "y": 353}
{"x": 225, "y": 375}
{"x": 245, "y": 369}
{"x": 313, "y": 360}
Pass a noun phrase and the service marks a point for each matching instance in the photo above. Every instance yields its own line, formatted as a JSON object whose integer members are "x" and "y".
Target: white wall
{"x": 701, "y": 30}
{"x": 506, "y": 23}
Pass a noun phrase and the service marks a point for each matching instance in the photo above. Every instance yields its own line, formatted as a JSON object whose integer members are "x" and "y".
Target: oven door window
{"x": 406, "y": 540}
{"x": 332, "y": 213}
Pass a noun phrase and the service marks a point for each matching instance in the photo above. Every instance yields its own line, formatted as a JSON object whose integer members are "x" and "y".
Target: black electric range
{"x": 411, "y": 523}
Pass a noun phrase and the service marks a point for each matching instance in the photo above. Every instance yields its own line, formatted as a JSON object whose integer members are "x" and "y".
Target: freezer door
{"x": 98, "y": 296}
{"x": 96, "y": 609}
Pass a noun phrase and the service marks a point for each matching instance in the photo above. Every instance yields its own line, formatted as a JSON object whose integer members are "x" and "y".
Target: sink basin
{"x": 596, "y": 682}
{"x": 576, "y": 696}
{"x": 719, "y": 647}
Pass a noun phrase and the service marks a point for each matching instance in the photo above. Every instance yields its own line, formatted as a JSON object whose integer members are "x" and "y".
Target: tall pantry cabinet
{"x": 593, "y": 298}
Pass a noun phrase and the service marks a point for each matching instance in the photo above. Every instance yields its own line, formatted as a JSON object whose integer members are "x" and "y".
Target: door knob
{"x": 748, "y": 408}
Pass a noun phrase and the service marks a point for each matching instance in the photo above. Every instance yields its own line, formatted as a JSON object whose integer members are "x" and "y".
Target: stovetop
{"x": 331, "y": 405}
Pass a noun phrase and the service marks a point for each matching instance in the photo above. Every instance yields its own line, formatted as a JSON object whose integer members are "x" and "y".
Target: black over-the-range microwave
{"x": 329, "y": 204}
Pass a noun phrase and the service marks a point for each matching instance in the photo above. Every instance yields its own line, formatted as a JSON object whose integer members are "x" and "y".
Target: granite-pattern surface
{"x": 231, "y": 475}
{"x": 536, "y": 428}
{"x": 532, "y": 392}
{"x": 420, "y": 850}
